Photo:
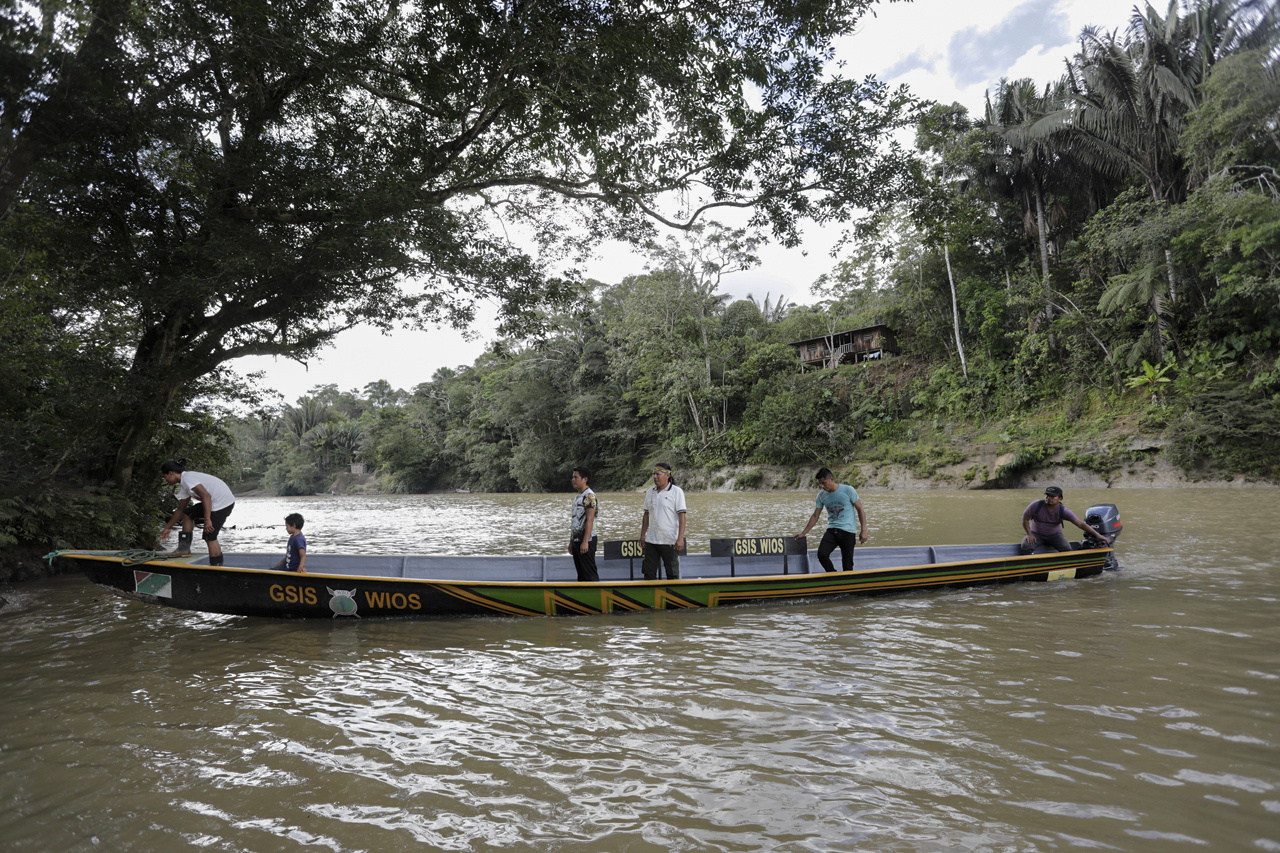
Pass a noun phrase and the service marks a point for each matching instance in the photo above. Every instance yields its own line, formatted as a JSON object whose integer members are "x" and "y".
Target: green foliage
{"x": 1205, "y": 368}
{"x": 1233, "y": 429}
{"x": 1151, "y": 377}
{"x": 296, "y": 474}
{"x": 742, "y": 318}
{"x": 1228, "y": 241}
{"x": 1025, "y": 458}
{"x": 1126, "y": 221}
{"x": 206, "y": 225}
{"x": 91, "y": 517}
{"x": 1241, "y": 93}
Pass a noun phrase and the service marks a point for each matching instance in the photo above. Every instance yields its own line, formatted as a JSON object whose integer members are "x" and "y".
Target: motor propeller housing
{"x": 1105, "y": 520}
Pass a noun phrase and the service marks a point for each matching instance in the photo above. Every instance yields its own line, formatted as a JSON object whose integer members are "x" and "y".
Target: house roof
{"x": 823, "y": 338}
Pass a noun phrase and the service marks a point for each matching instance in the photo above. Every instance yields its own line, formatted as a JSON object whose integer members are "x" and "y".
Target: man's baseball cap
{"x": 1053, "y": 491}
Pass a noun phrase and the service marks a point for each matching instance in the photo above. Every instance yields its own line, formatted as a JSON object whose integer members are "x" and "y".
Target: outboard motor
{"x": 1105, "y": 519}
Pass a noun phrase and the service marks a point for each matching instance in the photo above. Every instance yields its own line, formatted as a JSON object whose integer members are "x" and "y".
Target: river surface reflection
{"x": 1136, "y": 711}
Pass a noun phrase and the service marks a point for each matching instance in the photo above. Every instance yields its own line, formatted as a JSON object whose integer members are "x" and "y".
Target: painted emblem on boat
{"x": 151, "y": 583}
{"x": 342, "y": 601}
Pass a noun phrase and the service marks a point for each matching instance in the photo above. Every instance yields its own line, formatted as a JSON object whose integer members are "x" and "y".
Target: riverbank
{"x": 1117, "y": 461}
{"x": 1118, "y": 450}
{"x": 964, "y": 476}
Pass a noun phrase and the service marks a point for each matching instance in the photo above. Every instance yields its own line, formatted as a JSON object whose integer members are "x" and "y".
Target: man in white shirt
{"x": 211, "y": 510}
{"x": 663, "y": 508}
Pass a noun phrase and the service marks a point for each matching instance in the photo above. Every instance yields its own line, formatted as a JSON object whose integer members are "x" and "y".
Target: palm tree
{"x": 1129, "y": 103}
{"x": 1220, "y": 29}
{"x": 348, "y": 440}
{"x": 268, "y": 428}
{"x": 775, "y": 313}
{"x": 1140, "y": 286}
{"x": 1130, "y": 100}
{"x": 306, "y": 416}
{"x": 1023, "y": 118}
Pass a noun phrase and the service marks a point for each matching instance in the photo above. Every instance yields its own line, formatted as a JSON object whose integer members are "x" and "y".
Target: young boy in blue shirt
{"x": 295, "y": 558}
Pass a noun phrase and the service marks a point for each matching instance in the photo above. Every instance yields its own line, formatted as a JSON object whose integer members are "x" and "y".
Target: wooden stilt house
{"x": 848, "y": 347}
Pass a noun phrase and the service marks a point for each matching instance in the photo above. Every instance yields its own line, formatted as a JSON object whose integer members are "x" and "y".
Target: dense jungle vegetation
{"x": 184, "y": 184}
{"x": 1097, "y": 251}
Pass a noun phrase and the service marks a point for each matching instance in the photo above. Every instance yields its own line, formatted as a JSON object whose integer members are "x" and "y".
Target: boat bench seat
{"x": 691, "y": 567}
{"x": 957, "y": 553}
{"x": 612, "y": 571}
{"x": 364, "y": 566}
{"x": 443, "y": 567}
{"x": 1076, "y": 545}
{"x": 560, "y": 569}
{"x": 705, "y": 566}
{"x": 882, "y": 558}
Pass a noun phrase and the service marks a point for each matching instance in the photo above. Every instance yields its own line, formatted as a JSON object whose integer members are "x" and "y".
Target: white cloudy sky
{"x": 943, "y": 50}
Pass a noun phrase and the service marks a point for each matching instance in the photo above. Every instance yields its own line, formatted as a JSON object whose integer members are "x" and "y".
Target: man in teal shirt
{"x": 840, "y": 502}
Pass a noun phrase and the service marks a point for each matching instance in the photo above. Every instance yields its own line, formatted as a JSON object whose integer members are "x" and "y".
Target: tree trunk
{"x": 136, "y": 429}
{"x": 154, "y": 384}
{"x": 955, "y": 310}
{"x": 1157, "y": 311}
{"x": 706, "y": 348}
{"x": 830, "y": 360}
{"x": 697, "y": 421}
{"x": 1044, "y": 237}
{"x": 1044, "y": 256}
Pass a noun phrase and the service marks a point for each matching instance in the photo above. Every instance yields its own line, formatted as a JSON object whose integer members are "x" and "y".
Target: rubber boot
{"x": 215, "y": 561}
{"x": 184, "y": 545}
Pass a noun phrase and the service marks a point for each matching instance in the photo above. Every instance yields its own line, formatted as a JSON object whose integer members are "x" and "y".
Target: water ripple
{"x": 1129, "y": 712}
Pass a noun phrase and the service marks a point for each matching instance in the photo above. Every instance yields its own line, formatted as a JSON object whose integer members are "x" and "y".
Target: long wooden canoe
{"x": 349, "y": 587}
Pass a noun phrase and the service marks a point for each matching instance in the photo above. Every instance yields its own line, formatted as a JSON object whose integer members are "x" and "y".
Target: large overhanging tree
{"x": 211, "y": 179}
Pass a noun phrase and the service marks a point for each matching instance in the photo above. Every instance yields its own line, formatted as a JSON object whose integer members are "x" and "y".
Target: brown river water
{"x": 1136, "y": 711}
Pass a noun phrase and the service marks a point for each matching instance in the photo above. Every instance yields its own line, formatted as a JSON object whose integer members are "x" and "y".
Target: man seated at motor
{"x": 1043, "y": 522}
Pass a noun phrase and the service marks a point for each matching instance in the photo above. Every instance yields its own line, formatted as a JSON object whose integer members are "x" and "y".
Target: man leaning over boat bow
{"x": 211, "y": 510}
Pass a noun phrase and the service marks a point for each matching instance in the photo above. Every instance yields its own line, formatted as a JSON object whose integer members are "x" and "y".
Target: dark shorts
{"x": 195, "y": 512}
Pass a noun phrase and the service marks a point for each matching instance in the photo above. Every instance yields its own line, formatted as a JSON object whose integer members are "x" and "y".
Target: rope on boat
{"x": 137, "y": 556}
{"x": 53, "y": 555}
{"x": 131, "y": 557}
